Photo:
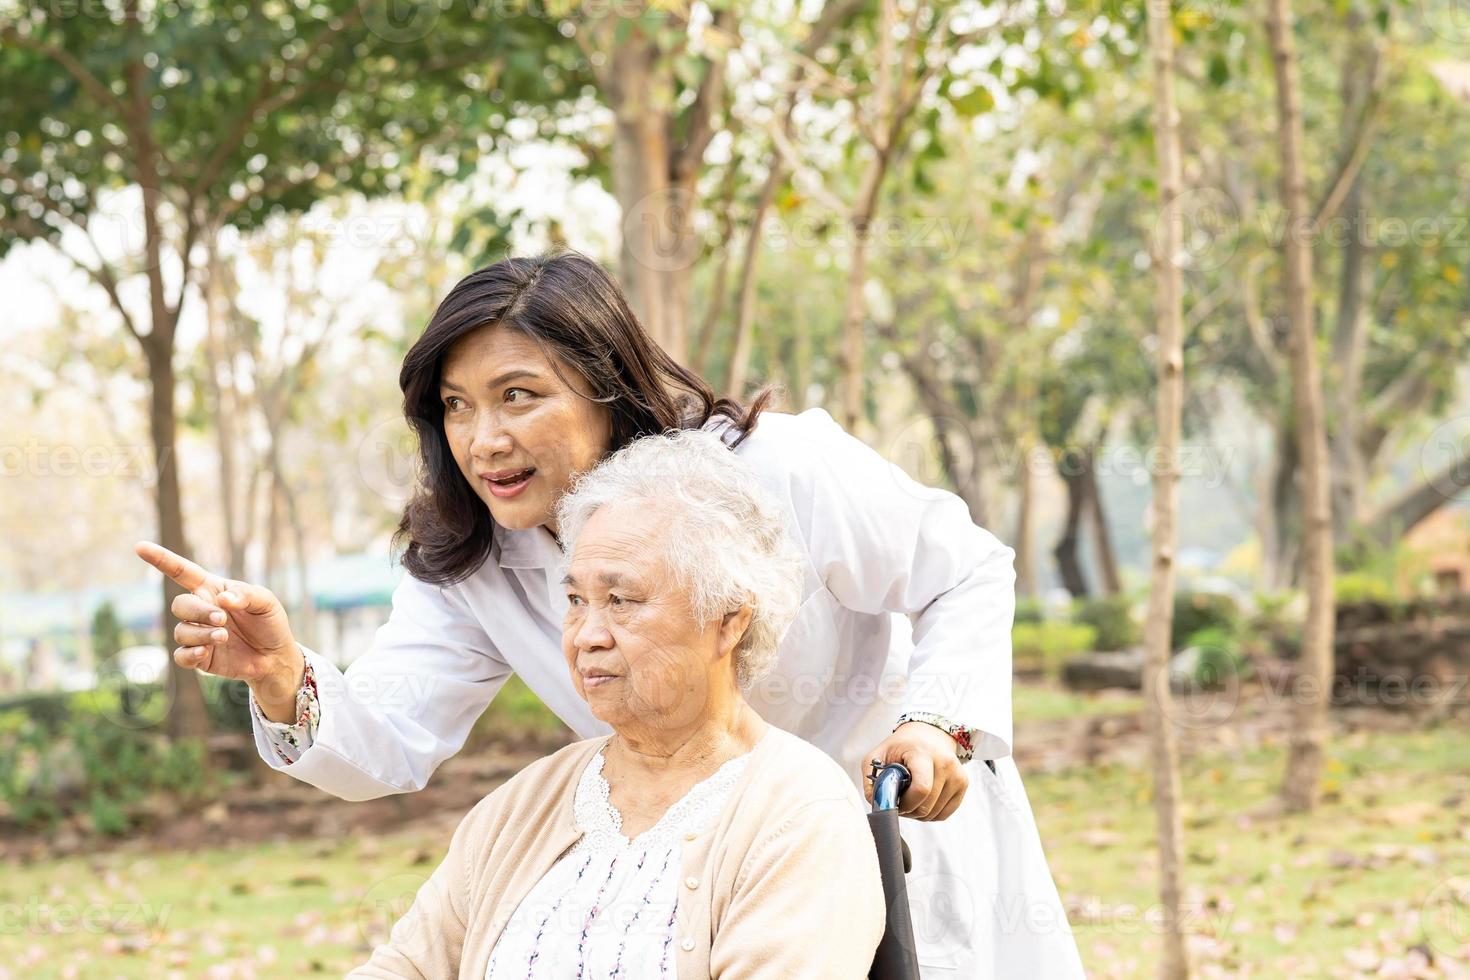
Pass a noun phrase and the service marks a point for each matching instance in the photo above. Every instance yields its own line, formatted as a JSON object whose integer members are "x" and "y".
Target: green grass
{"x": 1032, "y": 702}
{"x": 1294, "y": 897}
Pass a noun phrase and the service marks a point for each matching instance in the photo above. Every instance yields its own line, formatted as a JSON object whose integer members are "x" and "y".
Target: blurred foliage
{"x": 1029, "y": 610}
{"x": 91, "y": 766}
{"x": 1354, "y": 587}
{"x": 1111, "y": 618}
{"x": 107, "y": 636}
{"x": 516, "y": 715}
{"x": 1218, "y": 657}
{"x": 1044, "y": 647}
{"x": 1196, "y": 611}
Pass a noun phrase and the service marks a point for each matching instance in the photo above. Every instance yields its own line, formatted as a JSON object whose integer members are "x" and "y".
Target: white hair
{"x": 726, "y": 542}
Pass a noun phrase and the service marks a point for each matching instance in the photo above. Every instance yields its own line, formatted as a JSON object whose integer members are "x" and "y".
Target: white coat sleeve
{"x": 403, "y": 707}
{"x": 881, "y": 541}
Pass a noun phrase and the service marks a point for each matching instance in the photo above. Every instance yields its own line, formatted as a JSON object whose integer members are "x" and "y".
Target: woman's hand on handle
{"x": 938, "y": 779}
{"x": 232, "y": 629}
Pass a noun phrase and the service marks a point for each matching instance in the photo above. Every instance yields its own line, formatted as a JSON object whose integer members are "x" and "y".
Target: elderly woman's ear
{"x": 732, "y": 628}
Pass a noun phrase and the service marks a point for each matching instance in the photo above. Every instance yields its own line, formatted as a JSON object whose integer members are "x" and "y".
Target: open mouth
{"x": 509, "y": 483}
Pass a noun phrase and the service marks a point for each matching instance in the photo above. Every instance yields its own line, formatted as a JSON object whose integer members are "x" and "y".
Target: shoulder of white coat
{"x": 784, "y": 449}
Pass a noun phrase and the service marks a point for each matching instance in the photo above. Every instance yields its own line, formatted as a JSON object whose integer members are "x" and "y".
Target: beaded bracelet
{"x": 964, "y": 737}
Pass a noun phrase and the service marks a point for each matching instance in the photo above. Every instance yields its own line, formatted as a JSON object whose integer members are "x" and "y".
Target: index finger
{"x": 176, "y": 567}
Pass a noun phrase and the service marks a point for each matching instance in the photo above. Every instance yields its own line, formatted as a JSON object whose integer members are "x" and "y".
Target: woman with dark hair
{"x": 530, "y": 373}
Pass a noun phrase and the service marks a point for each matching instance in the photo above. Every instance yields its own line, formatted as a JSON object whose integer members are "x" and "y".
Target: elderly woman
{"x": 697, "y": 840}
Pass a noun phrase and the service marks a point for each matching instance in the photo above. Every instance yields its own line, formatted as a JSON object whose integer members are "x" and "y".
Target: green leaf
{"x": 974, "y": 102}
{"x": 1219, "y": 72}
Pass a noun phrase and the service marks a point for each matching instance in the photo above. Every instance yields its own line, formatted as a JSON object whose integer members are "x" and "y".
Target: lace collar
{"x": 602, "y": 825}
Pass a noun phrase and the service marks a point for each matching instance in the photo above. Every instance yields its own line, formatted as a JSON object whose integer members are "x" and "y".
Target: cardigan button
{"x": 691, "y": 882}
{"x": 691, "y": 836}
{"x": 687, "y": 945}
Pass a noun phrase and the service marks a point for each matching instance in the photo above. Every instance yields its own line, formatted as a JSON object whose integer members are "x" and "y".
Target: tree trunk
{"x": 802, "y": 356}
{"x": 715, "y": 310}
{"x": 1069, "y": 563}
{"x": 305, "y": 612}
{"x": 1349, "y": 473}
{"x": 1102, "y": 539}
{"x": 221, "y": 373}
{"x": 653, "y": 177}
{"x": 187, "y": 717}
{"x": 1159, "y": 623}
{"x": 1306, "y": 760}
{"x": 1350, "y": 335}
{"x": 739, "y": 368}
{"x": 850, "y": 360}
{"x": 1025, "y": 550}
{"x": 656, "y": 233}
{"x": 1399, "y": 516}
{"x": 272, "y": 531}
{"x": 1281, "y": 512}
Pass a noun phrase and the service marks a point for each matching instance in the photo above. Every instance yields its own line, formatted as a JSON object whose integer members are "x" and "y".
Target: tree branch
{"x": 1255, "y": 322}
{"x": 700, "y": 129}
{"x": 71, "y": 64}
{"x": 269, "y": 97}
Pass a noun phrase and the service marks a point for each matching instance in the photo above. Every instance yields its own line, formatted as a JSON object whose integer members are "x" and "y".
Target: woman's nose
{"x": 491, "y": 438}
{"x": 591, "y": 633}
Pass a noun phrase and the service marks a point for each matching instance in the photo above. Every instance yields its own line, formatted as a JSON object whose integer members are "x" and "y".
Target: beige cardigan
{"x": 784, "y": 884}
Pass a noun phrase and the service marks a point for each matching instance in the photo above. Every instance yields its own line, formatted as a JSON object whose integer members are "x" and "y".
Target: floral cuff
{"x": 292, "y": 740}
{"x": 964, "y": 736}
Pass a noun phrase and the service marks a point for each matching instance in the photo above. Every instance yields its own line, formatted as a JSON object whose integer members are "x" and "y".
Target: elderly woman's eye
{"x": 574, "y": 600}
{"x": 511, "y": 393}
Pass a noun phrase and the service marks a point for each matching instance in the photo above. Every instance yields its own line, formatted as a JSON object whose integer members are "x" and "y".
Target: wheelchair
{"x": 897, "y": 956}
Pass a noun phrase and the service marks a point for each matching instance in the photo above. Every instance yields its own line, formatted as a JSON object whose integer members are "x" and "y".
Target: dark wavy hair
{"x": 576, "y": 311}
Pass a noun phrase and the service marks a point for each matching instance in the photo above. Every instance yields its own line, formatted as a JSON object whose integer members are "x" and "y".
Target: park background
{"x": 955, "y": 226}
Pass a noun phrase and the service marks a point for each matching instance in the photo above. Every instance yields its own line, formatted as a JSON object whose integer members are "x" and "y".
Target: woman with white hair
{"x": 697, "y": 840}
{"x": 530, "y": 373}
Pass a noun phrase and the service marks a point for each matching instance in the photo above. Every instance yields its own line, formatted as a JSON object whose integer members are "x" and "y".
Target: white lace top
{"x": 606, "y": 909}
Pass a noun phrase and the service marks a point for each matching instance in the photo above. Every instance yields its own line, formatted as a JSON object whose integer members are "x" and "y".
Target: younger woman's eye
{"x": 450, "y": 402}
{"x": 510, "y": 394}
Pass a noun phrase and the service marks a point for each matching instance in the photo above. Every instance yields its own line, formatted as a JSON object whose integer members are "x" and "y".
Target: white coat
{"x": 907, "y": 607}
